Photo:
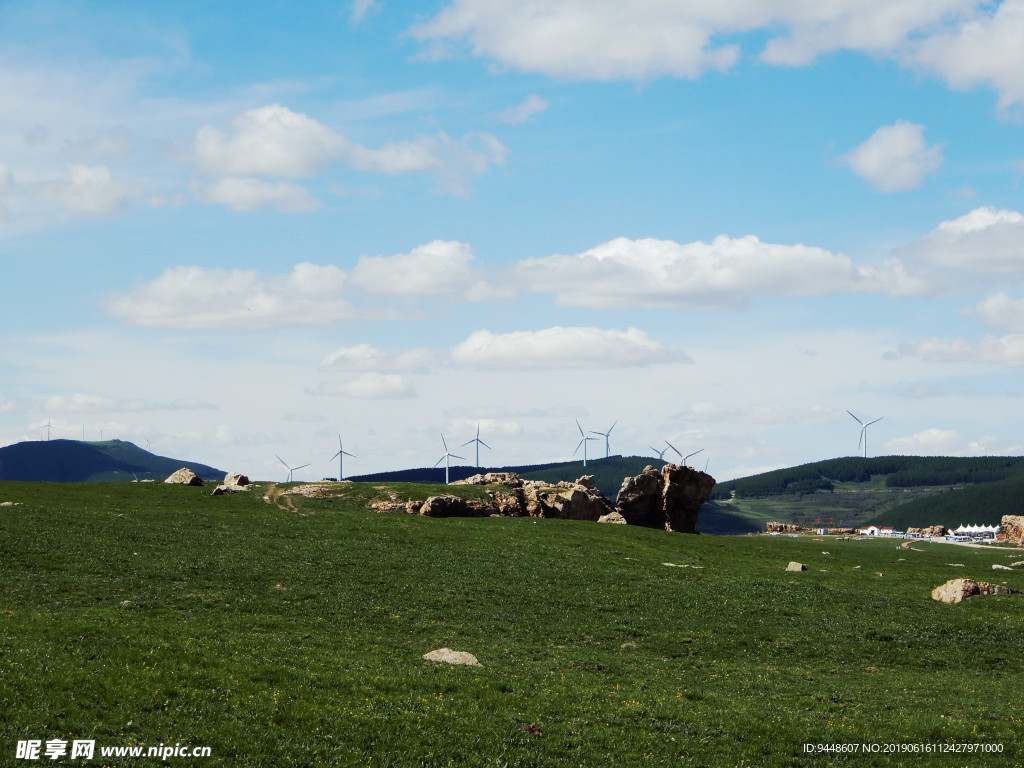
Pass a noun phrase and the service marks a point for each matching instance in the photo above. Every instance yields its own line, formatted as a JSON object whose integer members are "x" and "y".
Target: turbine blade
{"x": 578, "y": 426}
{"x": 485, "y": 445}
{"x": 612, "y": 426}
{"x": 872, "y": 422}
{"x": 282, "y": 461}
{"x": 856, "y": 419}
{"x": 578, "y": 446}
{"x": 458, "y": 457}
{"x": 444, "y": 443}
{"x": 440, "y": 460}
{"x": 337, "y": 455}
{"x": 301, "y": 466}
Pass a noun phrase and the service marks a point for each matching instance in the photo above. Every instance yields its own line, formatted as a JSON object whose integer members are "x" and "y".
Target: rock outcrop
{"x": 511, "y": 479}
{"x": 184, "y": 476}
{"x": 669, "y": 498}
{"x": 565, "y": 501}
{"x": 931, "y": 530}
{"x": 781, "y": 528}
{"x": 450, "y": 506}
{"x": 1012, "y": 529}
{"x": 955, "y": 590}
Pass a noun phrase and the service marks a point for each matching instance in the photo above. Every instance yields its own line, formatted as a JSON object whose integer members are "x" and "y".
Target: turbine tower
{"x": 583, "y": 442}
{"x": 478, "y": 442}
{"x": 446, "y": 459}
{"x": 290, "y": 469}
{"x": 340, "y": 456}
{"x": 606, "y": 438}
{"x": 864, "y": 432}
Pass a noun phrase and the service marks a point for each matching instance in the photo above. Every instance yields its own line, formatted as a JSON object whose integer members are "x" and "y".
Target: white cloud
{"x": 1000, "y": 311}
{"x": 249, "y": 194}
{"x": 896, "y": 158}
{"x": 986, "y": 49}
{"x": 533, "y": 105}
{"x": 985, "y": 241}
{"x": 606, "y": 39}
{"x": 928, "y": 442}
{"x": 999, "y": 350}
{"x": 86, "y": 403}
{"x": 274, "y": 141}
{"x": 196, "y": 298}
{"x": 86, "y": 189}
{"x": 267, "y": 141}
{"x": 448, "y": 159}
{"x": 759, "y": 414}
{"x": 370, "y": 386}
{"x": 363, "y": 357}
{"x": 727, "y": 272}
{"x": 436, "y": 268}
{"x": 560, "y": 347}
{"x": 360, "y": 8}
{"x": 8, "y": 406}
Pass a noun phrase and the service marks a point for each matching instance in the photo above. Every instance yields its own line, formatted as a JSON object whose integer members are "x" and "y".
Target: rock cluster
{"x": 782, "y": 528}
{"x": 233, "y": 481}
{"x": 931, "y": 530}
{"x": 955, "y": 590}
{"x": 669, "y": 498}
{"x": 1012, "y": 529}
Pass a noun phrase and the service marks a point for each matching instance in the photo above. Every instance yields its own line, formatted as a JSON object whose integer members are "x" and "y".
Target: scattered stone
{"x": 9, "y": 503}
{"x": 684, "y": 565}
{"x": 795, "y": 566}
{"x": 956, "y": 565}
{"x": 184, "y": 476}
{"x": 998, "y": 567}
{"x": 220, "y": 490}
{"x": 826, "y": 553}
{"x": 448, "y": 656}
{"x": 1019, "y": 562}
{"x": 612, "y": 517}
{"x": 955, "y": 590}
{"x": 857, "y": 567}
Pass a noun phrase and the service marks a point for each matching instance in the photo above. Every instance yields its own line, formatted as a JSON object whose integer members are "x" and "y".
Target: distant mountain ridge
{"x": 76, "y": 461}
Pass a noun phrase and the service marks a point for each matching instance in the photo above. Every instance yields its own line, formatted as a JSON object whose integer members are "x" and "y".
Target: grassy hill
{"x": 73, "y": 461}
{"x": 280, "y": 637}
{"x": 897, "y": 490}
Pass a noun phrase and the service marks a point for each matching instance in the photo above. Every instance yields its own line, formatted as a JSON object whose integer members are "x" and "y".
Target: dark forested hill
{"x": 75, "y": 461}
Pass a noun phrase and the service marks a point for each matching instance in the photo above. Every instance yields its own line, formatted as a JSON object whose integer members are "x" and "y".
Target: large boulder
{"x": 236, "y": 479}
{"x": 184, "y": 476}
{"x": 669, "y": 498}
{"x": 566, "y": 501}
{"x": 451, "y": 506}
{"x": 1012, "y": 529}
{"x": 955, "y": 590}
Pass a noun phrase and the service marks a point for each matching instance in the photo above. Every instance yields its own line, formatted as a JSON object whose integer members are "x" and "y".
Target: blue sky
{"x": 236, "y": 230}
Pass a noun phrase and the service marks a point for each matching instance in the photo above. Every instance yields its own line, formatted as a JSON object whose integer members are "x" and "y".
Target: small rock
{"x": 448, "y": 656}
{"x": 795, "y": 566}
{"x": 612, "y": 517}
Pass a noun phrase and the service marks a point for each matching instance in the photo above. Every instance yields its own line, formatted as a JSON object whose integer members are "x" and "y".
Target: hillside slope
{"x": 75, "y": 461}
{"x": 898, "y": 490}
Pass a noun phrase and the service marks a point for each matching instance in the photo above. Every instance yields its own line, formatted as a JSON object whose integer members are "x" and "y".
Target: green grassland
{"x": 148, "y": 614}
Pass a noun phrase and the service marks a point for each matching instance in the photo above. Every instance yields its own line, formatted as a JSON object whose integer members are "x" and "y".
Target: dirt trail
{"x": 275, "y": 495}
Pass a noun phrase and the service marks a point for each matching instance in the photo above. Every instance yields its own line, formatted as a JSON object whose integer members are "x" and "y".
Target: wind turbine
{"x": 340, "y": 456}
{"x": 47, "y": 426}
{"x": 661, "y": 453}
{"x": 689, "y": 455}
{"x": 583, "y": 442}
{"x": 447, "y": 456}
{"x": 864, "y": 432}
{"x": 478, "y": 442}
{"x": 678, "y": 452}
{"x": 606, "y": 437}
{"x": 290, "y": 469}
{"x": 149, "y": 443}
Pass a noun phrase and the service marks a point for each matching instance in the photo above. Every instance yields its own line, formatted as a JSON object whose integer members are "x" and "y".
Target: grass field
{"x": 152, "y": 614}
